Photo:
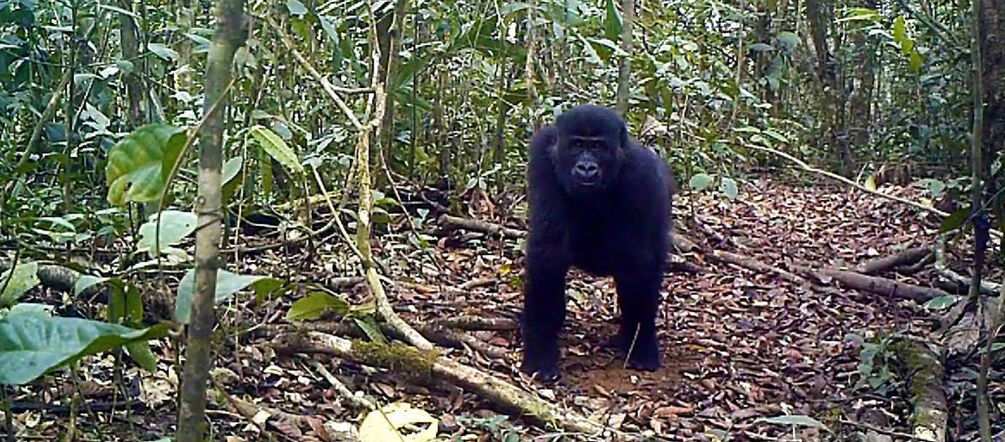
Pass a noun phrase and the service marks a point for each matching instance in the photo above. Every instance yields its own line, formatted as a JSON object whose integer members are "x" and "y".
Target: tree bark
{"x": 231, "y": 32}
{"x": 624, "y": 69}
{"x": 129, "y": 40}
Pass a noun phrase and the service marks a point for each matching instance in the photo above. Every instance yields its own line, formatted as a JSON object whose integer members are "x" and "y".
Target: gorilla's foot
{"x": 542, "y": 371}
{"x": 645, "y": 357}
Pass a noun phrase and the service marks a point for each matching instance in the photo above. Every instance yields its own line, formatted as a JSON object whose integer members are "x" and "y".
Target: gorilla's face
{"x": 589, "y": 149}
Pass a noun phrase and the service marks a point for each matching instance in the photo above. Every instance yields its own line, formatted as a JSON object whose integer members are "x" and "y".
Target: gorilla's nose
{"x": 586, "y": 171}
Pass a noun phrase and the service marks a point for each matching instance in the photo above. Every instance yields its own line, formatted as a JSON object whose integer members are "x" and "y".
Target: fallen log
{"x": 755, "y": 265}
{"x": 430, "y": 365}
{"x": 903, "y": 258}
{"x": 875, "y": 284}
{"x": 924, "y": 372}
{"x": 454, "y": 222}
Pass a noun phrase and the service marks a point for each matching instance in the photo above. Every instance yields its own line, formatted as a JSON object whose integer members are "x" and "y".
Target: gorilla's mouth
{"x": 588, "y": 182}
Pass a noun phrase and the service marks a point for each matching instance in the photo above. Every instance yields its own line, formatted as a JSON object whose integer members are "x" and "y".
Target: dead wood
{"x": 942, "y": 267}
{"x": 875, "y": 284}
{"x": 902, "y": 258}
{"x": 453, "y": 222}
{"x": 924, "y": 371}
{"x": 429, "y": 364}
{"x": 755, "y": 265}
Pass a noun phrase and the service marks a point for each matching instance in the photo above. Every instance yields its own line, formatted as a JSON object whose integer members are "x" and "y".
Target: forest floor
{"x": 738, "y": 345}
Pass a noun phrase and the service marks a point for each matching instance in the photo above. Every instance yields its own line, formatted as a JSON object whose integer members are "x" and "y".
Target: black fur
{"x": 618, "y": 226}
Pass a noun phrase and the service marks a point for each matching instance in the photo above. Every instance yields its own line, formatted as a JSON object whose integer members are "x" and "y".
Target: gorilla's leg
{"x": 638, "y": 299}
{"x": 544, "y": 311}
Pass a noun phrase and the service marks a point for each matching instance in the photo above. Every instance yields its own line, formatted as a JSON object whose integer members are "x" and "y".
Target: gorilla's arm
{"x": 547, "y": 260}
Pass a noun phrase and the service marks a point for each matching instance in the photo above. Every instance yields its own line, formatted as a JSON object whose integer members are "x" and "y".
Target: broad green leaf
{"x": 277, "y": 148}
{"x": 136, "y": 169}
{"x": 859, "y": 14}
{"x": 955, "y": 220}
{"x": 163, "y": 51}
{"x": 370, "y": 328}
{"x": 315, "y": 304}
{"x": 777, "y": 136}
{"x": 329, "y": 27}
{"x": 899, "y": 29}
{"x": 391, "y": 421}
{"x": 612, "y": 22}
{"x": 799, "y": 420}
{"x": 788, "y": 40}
{"x": 175, "y": 226}
{"x": 296, "y": 8}
{"x": 907, "y": 46}
{"x": 729, "y": 187}
{"x": 942, "y": 302}
{"x": 231, "y": 168}
{"x": 265, "y": 168}
{"x": 32, "y": 344}
{"x": 700, "y": 181}
{"x": 22, "y": 277}
{"x": 915, "y": 61}
{"x": 761, "y": 47}
{"x": 85, "y": 282}
{"x": 591, "y": 54}
{"x": 227, "y": 284}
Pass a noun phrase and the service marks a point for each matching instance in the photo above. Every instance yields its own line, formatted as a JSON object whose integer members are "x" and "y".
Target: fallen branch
{"x": 453, "y": 222}
{"x": 755, "y": 265}
{"x": 923, "y": 370}
{"x": 942, "y": 267}
{"x": 430, "y": 365}
{"x": 875, "y": 284}
{"x": 903, "y": 258}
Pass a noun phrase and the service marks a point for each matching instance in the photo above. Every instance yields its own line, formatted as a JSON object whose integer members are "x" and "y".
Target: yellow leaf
{"x": 870, "y": 182}
{"x": 383, "y": 425}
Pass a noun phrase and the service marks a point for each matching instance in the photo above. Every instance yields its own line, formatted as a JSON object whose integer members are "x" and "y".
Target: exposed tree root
{"x": 924, "y": 372}
{"x": 430, "y": 365}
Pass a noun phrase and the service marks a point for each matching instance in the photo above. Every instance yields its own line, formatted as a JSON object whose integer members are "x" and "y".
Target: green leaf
{"x": 315, "y": 304}
{"x": 799, "y": 420}
{"x": 163, "y": 51}
{"x": 729, "y": 188}
{"x": 860, "y": 14}
{"x": 760, "y": 47}
{"x": 955, "y": 220}
{"x": 31, "y": 344}
{"x": 915, "y": 61}
{"x": 23, "y": 277}
{"x": 265, "y": 168}
{"x": 700, "y": 181}
{"x": 231, "y": 168}
{"x": 370, "y": 328}
{"x": 296, "y": 8}
{"x": 612, "y": 22}
{"x": 899, "y": 29}
{"x": 227, "y": 284}
{"x": 942, "y": 302}
{"x": 789, "y": 41}
{"x": 277, "y": 148}
{"x": 175, "y": 226}
{"x": 136, "y": 169}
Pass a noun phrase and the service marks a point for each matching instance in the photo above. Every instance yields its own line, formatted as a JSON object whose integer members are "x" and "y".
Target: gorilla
{"x": 600, "y": 202}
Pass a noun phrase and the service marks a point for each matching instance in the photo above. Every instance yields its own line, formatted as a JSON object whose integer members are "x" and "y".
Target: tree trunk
{"x": 388, "y": 40}
{"x": 819, "y": 14}
{"x": 624, "y": 69}
{"x": 128, "y": 38}
{"x": 231, "y": 32}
